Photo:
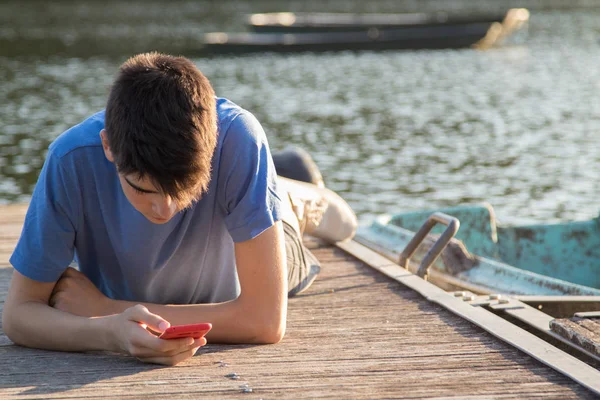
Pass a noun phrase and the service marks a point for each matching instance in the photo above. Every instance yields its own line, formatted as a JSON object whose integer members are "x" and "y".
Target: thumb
{"x": 142, "y": 315}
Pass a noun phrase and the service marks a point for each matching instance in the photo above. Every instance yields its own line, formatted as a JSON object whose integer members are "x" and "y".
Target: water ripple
{"x": 516, "y": 126}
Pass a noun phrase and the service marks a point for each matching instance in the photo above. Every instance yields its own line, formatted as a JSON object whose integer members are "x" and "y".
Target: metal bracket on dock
{"x": 497, "y": 301}
{"x": 433, "y": 253}
{"x": 494, "y": 301}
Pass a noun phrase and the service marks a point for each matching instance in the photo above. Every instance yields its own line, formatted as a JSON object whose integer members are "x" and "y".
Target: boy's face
{"x": 143, "y": 196}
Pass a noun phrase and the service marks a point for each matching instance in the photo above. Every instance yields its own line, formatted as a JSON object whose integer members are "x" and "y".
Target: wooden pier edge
{"x": 530, "y": 344}
{"x": 355, "y": 333}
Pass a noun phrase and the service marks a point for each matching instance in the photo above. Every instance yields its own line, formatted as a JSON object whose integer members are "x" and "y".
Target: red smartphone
{"x": 181, "y": 331}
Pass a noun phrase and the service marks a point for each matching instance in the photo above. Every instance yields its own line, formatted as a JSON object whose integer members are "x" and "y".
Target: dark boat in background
{"x": 287, "y": 22}
{"x": 336, "y": 32}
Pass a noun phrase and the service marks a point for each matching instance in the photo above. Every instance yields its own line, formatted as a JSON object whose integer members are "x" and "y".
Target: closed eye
{"x": 137, "y": 189}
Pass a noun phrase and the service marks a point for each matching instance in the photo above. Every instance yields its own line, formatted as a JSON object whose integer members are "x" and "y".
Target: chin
{"x": 158, "y": 221}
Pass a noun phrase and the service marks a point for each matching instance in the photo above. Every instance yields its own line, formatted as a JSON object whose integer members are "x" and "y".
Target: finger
{"x": 60, "y": 285}
{"x": 71, "y": 272}
{"x": 52, "y": 300}
{"x": 155, "y": 347}
{"x": 171, "y": 360}
{"x": 55, "y": 298}
{"x": 150, "y": 345}
{"x": 58, "y": 291}
{"x": 140, "y": 314}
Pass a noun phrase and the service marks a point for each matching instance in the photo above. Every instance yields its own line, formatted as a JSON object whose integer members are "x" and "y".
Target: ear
{"x": 106, "y": 147}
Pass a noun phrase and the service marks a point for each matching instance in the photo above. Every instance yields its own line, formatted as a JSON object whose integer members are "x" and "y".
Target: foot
{"x": 320, "y": 211}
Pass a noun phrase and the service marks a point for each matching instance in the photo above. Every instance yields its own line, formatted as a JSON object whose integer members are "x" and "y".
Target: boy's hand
{"x": 129, "y": 335}
{"x": 76, "y": 294}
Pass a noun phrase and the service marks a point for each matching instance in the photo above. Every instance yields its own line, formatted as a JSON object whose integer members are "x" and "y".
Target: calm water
{"x": 518, "y": 127}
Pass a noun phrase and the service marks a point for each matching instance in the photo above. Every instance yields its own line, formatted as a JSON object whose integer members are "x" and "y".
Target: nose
{"x": 164, "y": 207}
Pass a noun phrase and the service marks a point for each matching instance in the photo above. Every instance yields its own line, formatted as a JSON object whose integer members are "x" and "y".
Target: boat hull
{"x": 286, "y": 22}
{"x": 549, "y": 260}
{"x": 471, "y": 33}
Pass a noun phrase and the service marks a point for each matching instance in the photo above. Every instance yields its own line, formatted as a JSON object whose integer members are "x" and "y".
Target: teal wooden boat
{"x": 484, "y": 257}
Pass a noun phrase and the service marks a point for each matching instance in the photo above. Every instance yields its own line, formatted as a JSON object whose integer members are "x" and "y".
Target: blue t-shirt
{"x": 78, "y": 210}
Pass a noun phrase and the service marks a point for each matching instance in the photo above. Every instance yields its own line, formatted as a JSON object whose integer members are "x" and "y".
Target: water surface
{"x": 516, "y": 126}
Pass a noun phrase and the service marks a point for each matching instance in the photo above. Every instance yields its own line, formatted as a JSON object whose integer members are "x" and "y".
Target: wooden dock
{"x": 583, "y": 331}
{"x": 354, "y": 334}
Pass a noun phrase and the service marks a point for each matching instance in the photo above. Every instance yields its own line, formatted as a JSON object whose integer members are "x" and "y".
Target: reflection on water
{"x": 518, "y": 127}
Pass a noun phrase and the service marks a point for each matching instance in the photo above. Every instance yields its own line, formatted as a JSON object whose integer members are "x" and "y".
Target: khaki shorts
{"x": 303, "y": 267}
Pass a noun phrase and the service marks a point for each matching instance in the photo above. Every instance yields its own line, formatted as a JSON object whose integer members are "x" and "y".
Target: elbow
{"x": 276, "y": 332}
{"x": 8, "y": 326}
{"x": 268, "y": 328}
{"x": 271, "y": 334}
{"x": 11, "y": 334}
{"x": 14, "y": 324}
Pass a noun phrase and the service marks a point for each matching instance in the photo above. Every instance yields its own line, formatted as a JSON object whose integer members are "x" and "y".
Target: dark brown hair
{"x": 161, "y": 124}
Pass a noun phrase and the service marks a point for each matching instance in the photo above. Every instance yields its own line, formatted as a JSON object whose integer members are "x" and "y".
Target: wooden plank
{"x": 354, "y": 334}
{"x": 11, "y": 223}
{"x": 536, "y": 319}
{"x": 584, "y": 332}
{"x": 13, "y": 213}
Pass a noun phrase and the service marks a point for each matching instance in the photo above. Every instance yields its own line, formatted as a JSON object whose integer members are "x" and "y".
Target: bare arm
{"x": 28, "y": 320}
{"x": 258, "y": 315}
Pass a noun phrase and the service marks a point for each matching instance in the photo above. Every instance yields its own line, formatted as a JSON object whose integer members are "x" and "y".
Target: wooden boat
{"x": 544, "y": 276}
{"x": 484, "y": 257}
{"x": 475, "y": 33}
{"x": 287, "y": 22}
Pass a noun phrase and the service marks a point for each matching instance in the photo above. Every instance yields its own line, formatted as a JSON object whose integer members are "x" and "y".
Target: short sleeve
{"x": 46, "y": 245}
{"x": 247, "y": 184}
